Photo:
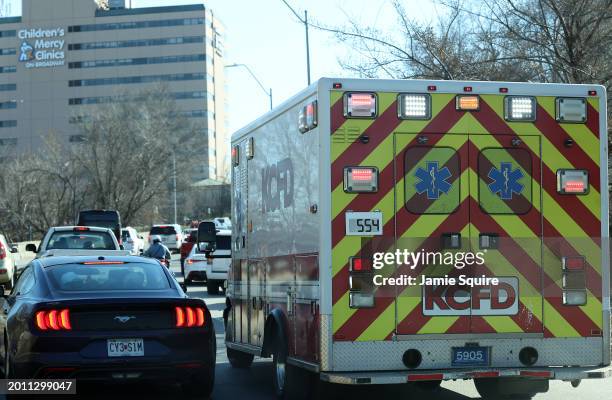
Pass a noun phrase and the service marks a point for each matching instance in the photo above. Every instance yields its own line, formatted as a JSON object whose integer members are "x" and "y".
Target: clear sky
{"x": 266, "y": 36}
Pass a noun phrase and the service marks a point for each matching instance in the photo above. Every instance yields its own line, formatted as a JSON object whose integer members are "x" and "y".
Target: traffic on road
{"x": 424, "y": 214}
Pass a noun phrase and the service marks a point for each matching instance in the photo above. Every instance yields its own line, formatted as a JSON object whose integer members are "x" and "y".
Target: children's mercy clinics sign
{"x": 42, "y": 48}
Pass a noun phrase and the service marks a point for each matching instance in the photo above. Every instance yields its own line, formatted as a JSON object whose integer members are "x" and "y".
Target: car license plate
{"x": 470, "y": 356}
{"x": 125, "y": 347}
{"x": 364, "y": 223}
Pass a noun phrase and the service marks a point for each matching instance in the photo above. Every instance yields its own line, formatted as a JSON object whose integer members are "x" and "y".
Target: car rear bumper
{"x": 217, "y": 276}
{"x": 175, "y": 366}
{"x": 184, "y": 351}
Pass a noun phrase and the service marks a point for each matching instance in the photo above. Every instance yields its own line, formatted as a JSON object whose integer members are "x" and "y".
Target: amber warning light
{"x": 468, "y": 103}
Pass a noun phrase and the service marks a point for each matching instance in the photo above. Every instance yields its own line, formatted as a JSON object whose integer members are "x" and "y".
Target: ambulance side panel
{"x": 276, "y": 231}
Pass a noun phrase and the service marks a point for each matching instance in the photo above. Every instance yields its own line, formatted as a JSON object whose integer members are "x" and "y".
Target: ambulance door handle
{"x": 313, "y": 307}
{"x": 289, "y": 302}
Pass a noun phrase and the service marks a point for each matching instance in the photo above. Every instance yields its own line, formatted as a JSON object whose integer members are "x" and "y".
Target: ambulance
{"x": 515, "y": 173}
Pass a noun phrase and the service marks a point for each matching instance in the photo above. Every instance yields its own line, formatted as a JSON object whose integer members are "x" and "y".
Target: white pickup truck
{"x": 77, "y": 241}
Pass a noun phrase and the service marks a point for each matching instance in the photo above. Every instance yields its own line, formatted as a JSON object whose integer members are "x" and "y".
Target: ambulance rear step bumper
{"x": 397, "y": 377}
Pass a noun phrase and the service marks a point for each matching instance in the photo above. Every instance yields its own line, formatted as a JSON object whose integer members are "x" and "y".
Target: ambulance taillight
{"x": 574, "y": 281}
{"x": 361, "y": 284}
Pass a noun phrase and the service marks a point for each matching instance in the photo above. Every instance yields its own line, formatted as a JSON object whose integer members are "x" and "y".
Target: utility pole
{"x": 305, "y": 22}
{"x": 174, "y": 183}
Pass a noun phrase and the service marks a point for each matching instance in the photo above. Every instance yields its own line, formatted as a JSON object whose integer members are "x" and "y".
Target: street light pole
{"x": 174, "y": 183}
{"x": 268, "y": 92}
{"x": 305, "y": 22}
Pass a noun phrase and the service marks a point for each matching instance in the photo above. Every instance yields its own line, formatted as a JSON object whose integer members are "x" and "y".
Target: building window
{"x": 7, "y": 87}
{"x": 6, "y": 105}
{"x": 136, "y": 43}
{"x": 8, "y": 69}
{"x": 126, "y": 80}
{"x": 8, "y": 142}
{"x": 122, "y": 62}
{"x": 8, "y": 51}
{"x": 8, "y": 124}
{"x": 75, "y": 101}
{"x": 11, "y": 33}
{"x": 136, "y": 25}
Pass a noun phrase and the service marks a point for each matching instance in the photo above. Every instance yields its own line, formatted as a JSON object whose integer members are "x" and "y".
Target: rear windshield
{"x": 81, "y": 241}
{"x": 104, "y": 220}
{"x": 163, "y": 230}
{"x": 224, "y": 242}
{"x": 131, "y": 276}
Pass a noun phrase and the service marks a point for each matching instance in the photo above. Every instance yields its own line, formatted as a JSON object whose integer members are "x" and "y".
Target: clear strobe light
{"x": 520, "y": 108}
{"x": 414, "y": 106}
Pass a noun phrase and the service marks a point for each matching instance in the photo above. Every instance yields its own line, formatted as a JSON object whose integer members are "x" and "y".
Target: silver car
{"x": 7, "y": 263}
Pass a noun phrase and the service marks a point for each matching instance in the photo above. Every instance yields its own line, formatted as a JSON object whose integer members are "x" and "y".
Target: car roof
{"x": 60, "y": 260}
{"x": 71, "y": 228}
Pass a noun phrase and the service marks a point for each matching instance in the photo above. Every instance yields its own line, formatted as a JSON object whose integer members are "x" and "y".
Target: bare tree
{"x": 123, "y": 162}
{"x": 518, "y": 40}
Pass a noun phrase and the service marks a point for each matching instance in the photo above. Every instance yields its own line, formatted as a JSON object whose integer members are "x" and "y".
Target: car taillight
{"x": 54, "y": 320}
{"x": 189, "y": 261}
{"x": 2, "y": 252}
{"x": 177, "y": 238}
{"x": 189, "y": 317}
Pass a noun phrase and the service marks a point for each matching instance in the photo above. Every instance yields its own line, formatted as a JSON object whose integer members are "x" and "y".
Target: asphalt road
{"x": 256, "y": 383}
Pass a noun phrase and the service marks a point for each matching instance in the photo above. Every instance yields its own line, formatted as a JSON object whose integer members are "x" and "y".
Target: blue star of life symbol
{"x": 505, "y": 181}
{"x": 433, "y": 180}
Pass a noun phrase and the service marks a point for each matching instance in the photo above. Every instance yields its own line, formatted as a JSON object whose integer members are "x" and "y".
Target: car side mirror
{"x": 14, "y": 249}
{"x": 121, "y": 247}
{"x": 183, "y": 286}
{"x": 31, "y": 247}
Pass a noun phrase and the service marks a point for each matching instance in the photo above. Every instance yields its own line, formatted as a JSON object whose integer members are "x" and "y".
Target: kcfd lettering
{"x": 276, "y": 179}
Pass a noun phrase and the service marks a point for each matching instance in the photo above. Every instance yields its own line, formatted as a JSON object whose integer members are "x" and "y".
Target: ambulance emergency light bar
{"x": 308, "y": 117}
{"x": 359, "y": 105}
{"x": 520, "y": 108}
{"x": 414, "y": 106}
{"x": 572, "y": 181}
{"x": 467, "y": 103}
{"x": 571, "y": 109}
{"x": 360, "y": 179}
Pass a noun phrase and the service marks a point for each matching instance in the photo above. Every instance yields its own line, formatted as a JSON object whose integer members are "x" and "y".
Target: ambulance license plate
{"x": 470, "y": 356}
{"x": 364, "y": 223}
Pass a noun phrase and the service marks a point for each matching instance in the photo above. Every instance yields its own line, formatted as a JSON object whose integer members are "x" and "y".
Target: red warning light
{"x": 362, "y": 174}
{"x": 574, "y": 186}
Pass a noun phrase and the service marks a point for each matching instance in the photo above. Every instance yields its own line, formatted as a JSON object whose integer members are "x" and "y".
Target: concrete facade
{"x": 63, "y": 56}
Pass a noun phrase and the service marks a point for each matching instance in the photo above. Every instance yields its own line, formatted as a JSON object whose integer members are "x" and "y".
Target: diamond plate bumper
{"x": 397, "y": 377}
